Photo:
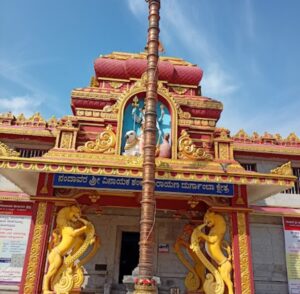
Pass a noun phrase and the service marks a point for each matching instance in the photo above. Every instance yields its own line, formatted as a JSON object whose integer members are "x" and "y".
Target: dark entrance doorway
{"x": 129, "y": 253}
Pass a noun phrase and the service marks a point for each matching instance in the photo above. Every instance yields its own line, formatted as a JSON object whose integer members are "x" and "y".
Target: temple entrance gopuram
{"x": 81, "y": 188}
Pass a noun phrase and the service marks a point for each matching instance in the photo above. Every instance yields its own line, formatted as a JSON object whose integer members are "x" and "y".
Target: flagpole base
{"x": 145, "y": 289}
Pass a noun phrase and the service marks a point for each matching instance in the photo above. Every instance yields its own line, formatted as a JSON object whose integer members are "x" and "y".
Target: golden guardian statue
{"x": 215, "y": 245}
{"x": 70, "y": 240}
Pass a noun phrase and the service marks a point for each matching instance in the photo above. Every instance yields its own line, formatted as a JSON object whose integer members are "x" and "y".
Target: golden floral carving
{"x": 116, "y": 85}
{"x": 284, "y": 170}
{"x": 34, "y": 255}
{"x": 105, "y": 143}
{"x": 111, "y": 108}
{"x": 244, "y": 254}
{"x": 140, "y": 86}
{"x": 188, "y": 150}
{"x": 180, "y": 90}
{"x": 8, "y": 152}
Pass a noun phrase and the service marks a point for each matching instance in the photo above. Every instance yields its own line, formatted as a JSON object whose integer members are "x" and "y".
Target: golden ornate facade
{"x": 81, "y": 162}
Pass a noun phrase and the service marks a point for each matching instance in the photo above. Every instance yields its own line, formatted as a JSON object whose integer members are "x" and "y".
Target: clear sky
{"x": 249, "y": 51}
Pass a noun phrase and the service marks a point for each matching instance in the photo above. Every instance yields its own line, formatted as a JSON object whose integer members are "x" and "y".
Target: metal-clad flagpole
{"x": 148, "y": 200}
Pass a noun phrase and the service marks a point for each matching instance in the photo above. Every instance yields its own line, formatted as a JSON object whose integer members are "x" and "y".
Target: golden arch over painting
{"x": 139, "y": 88}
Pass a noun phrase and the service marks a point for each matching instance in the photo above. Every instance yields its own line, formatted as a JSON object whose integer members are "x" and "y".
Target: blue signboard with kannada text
{"x": 135, "y": 184}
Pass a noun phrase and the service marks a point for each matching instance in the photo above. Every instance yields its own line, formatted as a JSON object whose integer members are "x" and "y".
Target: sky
{"x": 249, "y": 51}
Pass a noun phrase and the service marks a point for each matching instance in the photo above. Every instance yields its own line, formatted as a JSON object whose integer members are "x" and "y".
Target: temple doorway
{"x": 129, "y": 257}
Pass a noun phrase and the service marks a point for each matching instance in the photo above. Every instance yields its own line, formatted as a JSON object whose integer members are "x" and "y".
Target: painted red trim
{"x": 249, "y": 253}
{"x": 44, "y": 247}
{"x": 45, "y": 184}
{"x": 244, "y": 194}
{"x": 236, "y": 254}
{"x": 46, "y": 139}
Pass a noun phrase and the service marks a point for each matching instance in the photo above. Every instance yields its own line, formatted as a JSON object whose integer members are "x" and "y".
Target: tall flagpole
{"x": 148, "y": 206}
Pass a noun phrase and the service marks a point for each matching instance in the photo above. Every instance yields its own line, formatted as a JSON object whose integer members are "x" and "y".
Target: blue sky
{"x": 249, "y": 51}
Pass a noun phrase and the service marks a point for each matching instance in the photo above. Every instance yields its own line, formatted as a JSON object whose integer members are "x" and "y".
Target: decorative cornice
{"x": 26, "y": 132}
{"x": 93, "y": 93}
{"x": 267, "y": 138}
{"x": 143, "y": 55}
{"x": 36, "y": 120}
{"x": 198, "y": 103}
{"x": 131, "y": 166}
{"x": 264, "y": 148}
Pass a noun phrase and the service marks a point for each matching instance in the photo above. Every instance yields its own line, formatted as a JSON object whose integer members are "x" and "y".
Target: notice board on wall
{"x": 15, "y": 220}
{"x": 292, "y": 252}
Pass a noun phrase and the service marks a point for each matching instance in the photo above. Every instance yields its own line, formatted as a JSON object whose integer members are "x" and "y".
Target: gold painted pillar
{"x": 36, "y": 253}
{"x": 241, "y": 243}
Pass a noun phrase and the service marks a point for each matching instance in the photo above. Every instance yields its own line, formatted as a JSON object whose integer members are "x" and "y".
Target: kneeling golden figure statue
{"x": 70, "y": 240}
{"x": 215, "y": 244}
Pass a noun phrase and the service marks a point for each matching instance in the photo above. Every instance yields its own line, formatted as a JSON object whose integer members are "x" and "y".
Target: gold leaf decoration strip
{"x": 34, "y": 257}
{"x": 244, "y": 254}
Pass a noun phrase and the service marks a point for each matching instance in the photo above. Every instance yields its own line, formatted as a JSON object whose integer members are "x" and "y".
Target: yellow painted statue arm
{"x": 80, "y": 231}
{"x": 208, "y": 238}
